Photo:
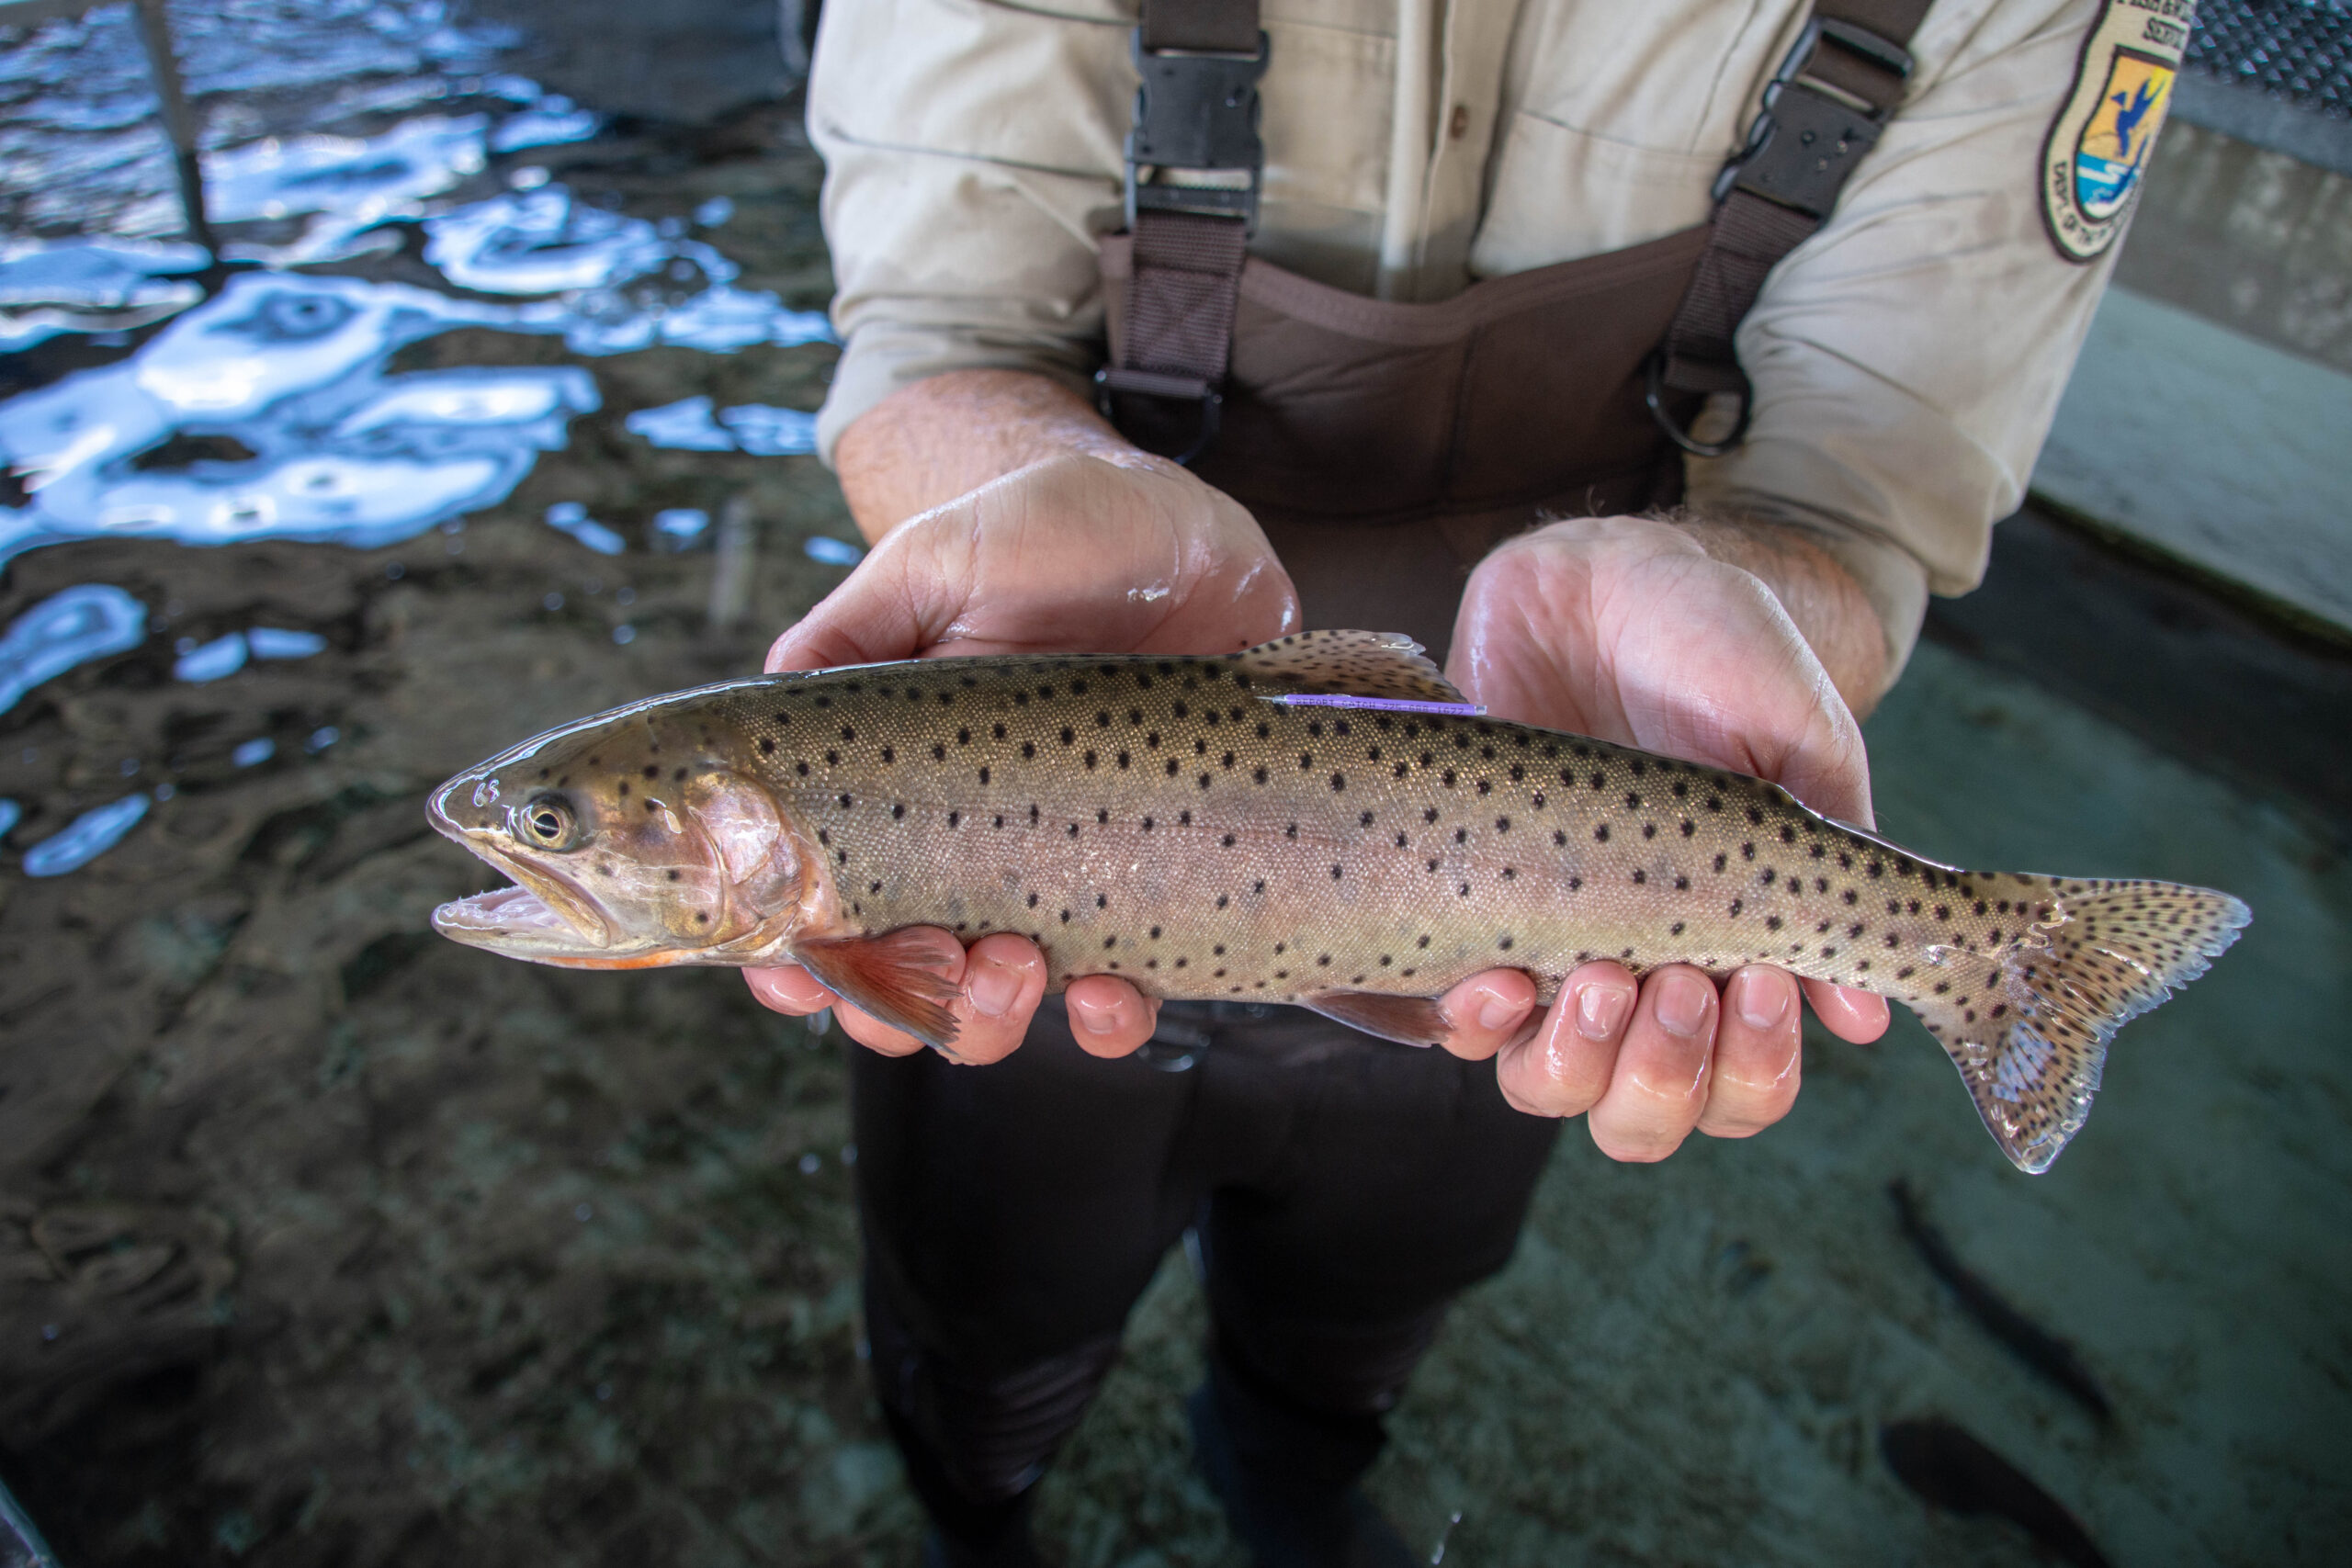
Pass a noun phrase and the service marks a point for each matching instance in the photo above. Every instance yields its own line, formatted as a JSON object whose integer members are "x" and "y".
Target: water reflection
{"x": 84, "y": 839}
{"x": 78, "y": 142}
{"x": 350, "y": 185}
{"x": 97, "y": 286}
{"x": 290, "y": 368}
{"x": 690, "y": 425}
{"x": 225, "y": 656}
{"x": 626, "y": 283}
{"x": 65, "y": 630}
{"x": 571, "y": 517}
{"x": 681, "y": 528}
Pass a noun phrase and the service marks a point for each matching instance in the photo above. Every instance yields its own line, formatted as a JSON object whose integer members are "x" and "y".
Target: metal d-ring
{"x": 1654, "y": 397}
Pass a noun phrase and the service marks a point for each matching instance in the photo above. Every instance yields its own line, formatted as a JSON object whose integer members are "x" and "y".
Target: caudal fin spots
{"x": 2103, "y": 953}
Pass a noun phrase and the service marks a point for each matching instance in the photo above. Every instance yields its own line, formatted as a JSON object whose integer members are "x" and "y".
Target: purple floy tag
{"x": 1384, "y": 705}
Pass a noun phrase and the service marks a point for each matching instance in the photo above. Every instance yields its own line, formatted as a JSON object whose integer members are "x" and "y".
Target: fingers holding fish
{"x": 1486, "y": 1013}
{"x": 1004, "y": 979}
{"x": 789, "y": 990}
{"x": 1661, "y": 1081}
{"x": 1108, "y": 1017}
{"x": 1856, "y": 1017}
{"x": 1759, "y": 1054}
{"x": 1565, "y": 1068}
{"x": 995, "y": 990}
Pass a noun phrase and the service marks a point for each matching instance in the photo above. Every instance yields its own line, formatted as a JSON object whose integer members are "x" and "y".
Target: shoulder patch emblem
{"x": 2098, "y": 145}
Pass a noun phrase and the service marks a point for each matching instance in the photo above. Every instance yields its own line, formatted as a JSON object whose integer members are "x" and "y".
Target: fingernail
{"x": 1682, "y": 1003}
{"x": 1600, "y": 1011}
{"x": 1495, "y": 1013}
{"x": 993, "y": 988}
{"x": 1094, "y": 1018}
{"x": 1760, "y": 1003}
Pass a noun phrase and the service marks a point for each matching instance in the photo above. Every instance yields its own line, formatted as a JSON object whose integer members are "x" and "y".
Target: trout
{"x": 1321, "y": 821}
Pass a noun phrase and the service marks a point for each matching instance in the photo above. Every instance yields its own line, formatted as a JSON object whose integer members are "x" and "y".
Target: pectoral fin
{"x": 1408, "y": 1021}
{"x": 895, "y": 978}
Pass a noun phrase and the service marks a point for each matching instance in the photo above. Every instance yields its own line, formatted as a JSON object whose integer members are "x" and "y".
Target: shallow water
{"x": 323, "y": 1240}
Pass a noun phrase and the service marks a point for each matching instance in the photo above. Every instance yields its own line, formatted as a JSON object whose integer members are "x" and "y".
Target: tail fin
{"x": 2032, "y": 1045}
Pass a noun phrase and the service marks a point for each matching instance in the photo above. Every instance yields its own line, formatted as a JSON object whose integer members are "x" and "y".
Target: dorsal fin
{"x": 1361, "y": 664}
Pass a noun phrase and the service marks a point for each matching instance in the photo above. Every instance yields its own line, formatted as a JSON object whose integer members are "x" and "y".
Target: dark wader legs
{"x": 1345, "y": 1189}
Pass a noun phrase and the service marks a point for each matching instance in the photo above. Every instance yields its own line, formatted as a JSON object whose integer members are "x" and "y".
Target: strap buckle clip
{"x": 1196, "y": 114}
{"x": 1155, "y": 426}
{"x": 1811, "y": 132}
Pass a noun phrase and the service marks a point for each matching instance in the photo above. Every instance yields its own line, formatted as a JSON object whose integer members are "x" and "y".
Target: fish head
{"x": 635, "y": 841}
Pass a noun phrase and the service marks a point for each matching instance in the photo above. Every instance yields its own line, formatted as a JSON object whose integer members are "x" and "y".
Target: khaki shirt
{"x": 1907, "y": 360}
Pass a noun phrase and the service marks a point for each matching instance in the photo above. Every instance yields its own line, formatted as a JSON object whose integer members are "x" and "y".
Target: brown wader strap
{"x": 1194, "y": 165}
{"x": 1823, "y": 109}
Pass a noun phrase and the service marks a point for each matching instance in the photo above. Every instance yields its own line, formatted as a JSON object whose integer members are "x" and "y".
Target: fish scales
{"x": 1172, "y": 822}
{"x": 1154, "y": 820}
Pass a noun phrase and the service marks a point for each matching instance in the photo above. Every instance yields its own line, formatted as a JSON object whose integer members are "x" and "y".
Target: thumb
{"x": 898, "y": 602}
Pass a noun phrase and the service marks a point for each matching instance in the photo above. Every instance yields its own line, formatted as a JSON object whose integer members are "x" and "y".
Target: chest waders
{"x": 1387, "y": 447}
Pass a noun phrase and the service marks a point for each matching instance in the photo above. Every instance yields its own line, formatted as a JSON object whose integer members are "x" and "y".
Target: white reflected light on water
{"x": 80, "y": 147}
{"x": 350, "y": 184}
{"x": 626, "y": 284}
{"x": 571, "y": 517}
{"x": 690, "y": 425}
{"x": 84, "y": 839}
{"x": 97, "y": 285}
{"x": 65, "y": 630}
{"x": 292, "y": 367}
{"x": 225, "y": 656}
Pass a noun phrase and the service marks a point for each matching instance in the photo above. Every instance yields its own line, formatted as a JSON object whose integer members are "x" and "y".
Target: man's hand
{"x": 1631, "y": 630}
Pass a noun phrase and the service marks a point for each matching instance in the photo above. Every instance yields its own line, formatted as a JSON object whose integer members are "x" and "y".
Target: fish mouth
{"x": 514, "y": 920}
{"x": 537, "y": 916}
{"x": 540, "y": 916}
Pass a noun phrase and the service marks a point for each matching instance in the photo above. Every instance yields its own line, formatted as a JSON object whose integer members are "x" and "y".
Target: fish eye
{"x": 549, "y": 822}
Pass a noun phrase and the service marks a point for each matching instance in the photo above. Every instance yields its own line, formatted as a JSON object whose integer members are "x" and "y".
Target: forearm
{"x": 937, "y": 439}
{"x": 1821, "y": 596}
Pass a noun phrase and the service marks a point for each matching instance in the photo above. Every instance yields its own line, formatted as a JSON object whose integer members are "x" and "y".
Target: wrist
{"x": 1831, "y": 609}
{"x": 934, "y": 440}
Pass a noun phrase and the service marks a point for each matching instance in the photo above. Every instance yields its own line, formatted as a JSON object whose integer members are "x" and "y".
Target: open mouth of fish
{"x": 533, "y": 914}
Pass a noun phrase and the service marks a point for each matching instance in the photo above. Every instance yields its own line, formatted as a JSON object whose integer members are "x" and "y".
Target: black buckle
{"x": 1161, "y": 430}
{"x": 1653, "y": 398}
{"x": 1196, "y": 112}
{"x": 1800, "y": 149}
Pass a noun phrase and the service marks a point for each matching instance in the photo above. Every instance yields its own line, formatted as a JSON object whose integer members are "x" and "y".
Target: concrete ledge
{"x": 2255, "y": 116}
{"x": 2211, "y": 446}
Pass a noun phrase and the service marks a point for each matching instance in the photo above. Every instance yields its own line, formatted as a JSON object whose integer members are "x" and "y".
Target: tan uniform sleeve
{"x": 973, "y": 151}
{"x": 1908, "y": 358}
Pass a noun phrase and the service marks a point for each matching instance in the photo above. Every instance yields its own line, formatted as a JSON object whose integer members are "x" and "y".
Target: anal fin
{"x": 1408, "y": 1021}
{"x": 895, "y": 977}
{"x": 1361, "y": 664}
